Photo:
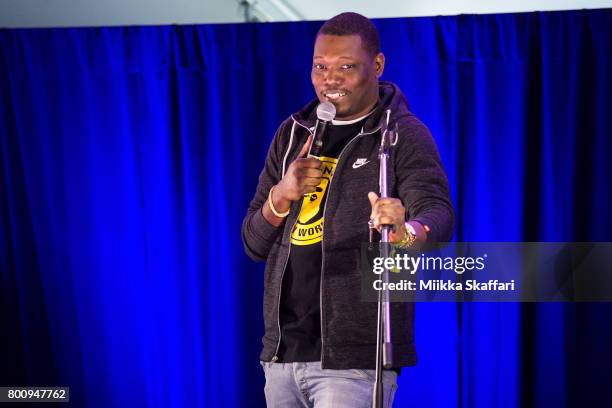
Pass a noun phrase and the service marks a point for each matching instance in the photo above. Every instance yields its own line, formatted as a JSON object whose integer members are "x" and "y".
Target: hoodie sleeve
{"x": 422, "y": 181}
{"x": 258, "y": 235}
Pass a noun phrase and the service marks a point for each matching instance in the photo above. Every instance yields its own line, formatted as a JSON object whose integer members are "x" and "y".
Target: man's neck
{"x": 337, "y": 122}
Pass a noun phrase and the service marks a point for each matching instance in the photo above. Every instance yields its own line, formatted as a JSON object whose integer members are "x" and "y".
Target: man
{"x": 310, "y": 216}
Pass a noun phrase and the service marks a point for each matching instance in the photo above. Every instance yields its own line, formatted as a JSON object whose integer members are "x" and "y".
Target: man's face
{"x": 344, "y": 74}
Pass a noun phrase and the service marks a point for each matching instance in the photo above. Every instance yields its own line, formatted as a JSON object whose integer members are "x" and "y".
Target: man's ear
{"x": 379, "y": 64}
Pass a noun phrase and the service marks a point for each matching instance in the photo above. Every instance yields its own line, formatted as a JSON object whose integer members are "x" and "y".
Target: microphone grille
{"x": 326, "y": 111}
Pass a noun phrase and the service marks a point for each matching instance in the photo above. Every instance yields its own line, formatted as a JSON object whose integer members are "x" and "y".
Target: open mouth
{"x": 334, "y": 94}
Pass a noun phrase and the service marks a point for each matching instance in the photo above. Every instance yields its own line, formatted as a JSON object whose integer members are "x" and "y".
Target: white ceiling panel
{"x": 75, "y": 13}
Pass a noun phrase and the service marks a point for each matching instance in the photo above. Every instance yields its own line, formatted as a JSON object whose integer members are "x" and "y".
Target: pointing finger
{"x": 306, "y": 147}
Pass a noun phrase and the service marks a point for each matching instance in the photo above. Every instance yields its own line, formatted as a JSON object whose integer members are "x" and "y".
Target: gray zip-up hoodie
{"x": 416, "y": 176}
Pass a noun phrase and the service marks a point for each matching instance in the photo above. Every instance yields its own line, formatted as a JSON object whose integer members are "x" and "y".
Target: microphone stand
{"x": 384, "y": 352}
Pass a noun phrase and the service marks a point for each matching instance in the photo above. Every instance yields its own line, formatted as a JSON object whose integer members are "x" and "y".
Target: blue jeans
{"x": 307, "y": 385}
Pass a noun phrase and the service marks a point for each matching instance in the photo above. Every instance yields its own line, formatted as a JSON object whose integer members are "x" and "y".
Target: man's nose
{"x": 333, "y": 76}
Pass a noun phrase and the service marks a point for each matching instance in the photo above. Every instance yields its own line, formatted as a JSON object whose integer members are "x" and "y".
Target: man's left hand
{"x": 388, "y": 211}
{"x": 391, "y": 211}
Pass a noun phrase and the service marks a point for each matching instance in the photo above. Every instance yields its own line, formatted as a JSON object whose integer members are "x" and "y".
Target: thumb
{"x": 373, "y": 197}
{"x": 306, "y": 147}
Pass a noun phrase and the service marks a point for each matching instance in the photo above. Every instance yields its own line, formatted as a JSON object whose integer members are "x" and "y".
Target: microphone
{"x": 326, "y": 111}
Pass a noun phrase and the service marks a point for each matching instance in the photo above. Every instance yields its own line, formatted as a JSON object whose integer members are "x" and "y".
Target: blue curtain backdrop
{"x": 128, "y": 156}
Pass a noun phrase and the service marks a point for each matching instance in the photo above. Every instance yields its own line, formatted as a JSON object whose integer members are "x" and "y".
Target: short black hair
{"x": 351, "y": 24}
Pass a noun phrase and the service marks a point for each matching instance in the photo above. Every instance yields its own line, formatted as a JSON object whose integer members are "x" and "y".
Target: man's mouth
{"x": 334, "y": 94}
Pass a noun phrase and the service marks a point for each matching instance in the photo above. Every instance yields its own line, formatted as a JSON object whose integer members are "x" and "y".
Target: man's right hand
{"x": 302, "y": 177}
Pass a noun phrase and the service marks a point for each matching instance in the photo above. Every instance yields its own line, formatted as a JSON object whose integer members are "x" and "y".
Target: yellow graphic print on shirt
{"x": 309, "y": 227}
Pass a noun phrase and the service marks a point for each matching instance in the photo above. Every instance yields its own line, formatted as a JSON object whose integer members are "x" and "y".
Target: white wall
{"x": 323, "y": 9}
{"x": 72, "y": 13}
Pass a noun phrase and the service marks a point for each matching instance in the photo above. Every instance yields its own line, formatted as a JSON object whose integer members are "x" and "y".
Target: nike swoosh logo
{"x": 359, "y": 163}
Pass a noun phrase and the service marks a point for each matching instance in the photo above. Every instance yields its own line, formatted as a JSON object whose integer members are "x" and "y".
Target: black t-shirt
{"x": 300, "y": 314}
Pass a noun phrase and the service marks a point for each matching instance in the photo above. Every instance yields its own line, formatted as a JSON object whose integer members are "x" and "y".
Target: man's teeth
{"x": 335, "y": 95}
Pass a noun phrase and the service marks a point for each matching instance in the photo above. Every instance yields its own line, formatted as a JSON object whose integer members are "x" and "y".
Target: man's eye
{"x": 348, "y": 66}
{"x": 319, "y": 66}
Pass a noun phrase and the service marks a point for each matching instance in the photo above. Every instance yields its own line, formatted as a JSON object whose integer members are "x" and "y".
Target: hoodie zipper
{"x": 323, "y": 239}
{"x": 280, "y": 290}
